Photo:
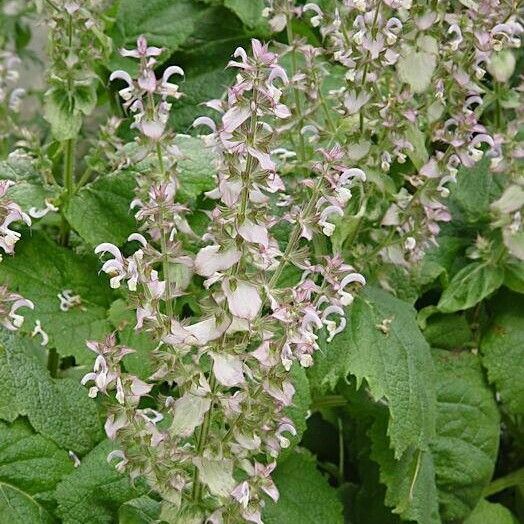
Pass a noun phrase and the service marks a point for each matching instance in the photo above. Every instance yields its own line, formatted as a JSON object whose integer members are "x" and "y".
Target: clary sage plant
{"x": 308, "y": 235}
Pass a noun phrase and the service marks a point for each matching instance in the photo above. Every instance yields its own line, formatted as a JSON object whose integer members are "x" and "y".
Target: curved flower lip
{"x": 205, "y": 121}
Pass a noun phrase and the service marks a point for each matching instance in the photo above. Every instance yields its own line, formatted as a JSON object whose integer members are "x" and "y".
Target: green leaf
{"x": 249, "y": 12}
{"x": 94, "y": 492}
{"x": 384, "y": 346}
{"x": 20, "y": 508}
{"x": 59, "y": 409}
{"x": 410, "y": 480}
{"x": 41, "y": 271}
{"x": 164, "y": 23}
{"x": 29, "y": 190}
{"x": 419, "y": 155}
{"x": 305, "y": 495}
{"x": 469, "y": 286}
{"x": 30, "y": 468}
{"x": 514, "y": 275}
{"x": 100, "y": 212}
{"x": 203, "y": 58}
{"x": 502, "y": 349}
{"x": 473, "y": 190}
{"x": 59, "y": 111}
{"x": 448, "y": 331}
{"x": 196, "y": 167}
{"x": 490, "y": 513}
{"x": 416, "y": 68}
{"x": 142, "y": 510}
{"x": 466, "y": 446}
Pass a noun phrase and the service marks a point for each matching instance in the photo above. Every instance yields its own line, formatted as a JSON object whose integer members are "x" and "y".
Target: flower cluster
{"x": 401, "y": 77}
{"x": 10, "y": 303}
{"x": 228, "y": 369}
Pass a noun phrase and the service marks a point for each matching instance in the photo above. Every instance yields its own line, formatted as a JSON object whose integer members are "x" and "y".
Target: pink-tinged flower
{"x": 114, "y": 424}
{"x": 332, "y": 327}
{"x": 235, "y": 117}
{"x": 327, "y": 227}
{"x": 263, "y": 158}
{"x": 119, "y": 454}
{"x": 254, "y": 233}
{"x": 347, "y": 298}
{"x": 283, "y": 394}
{"x": 167, "y": 88}
{"x": 10, "y": 303}
{"x": 211, "y": 259}
{"x": 127, "y": 92}
{"x": 142, "y": 49}
{"x": 205, "y": 121}
{"x": 241, "y": 493}
{"x": 242, "y": 298}
{"x": 228, "y": 369}
{"x": 261, "y": 52}
{"x": 198, "y": 334}
{"x": 319, "y": 15}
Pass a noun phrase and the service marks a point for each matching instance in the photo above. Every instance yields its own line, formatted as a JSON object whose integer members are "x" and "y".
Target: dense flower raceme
{"x": 206, "y": 441}
{"x": 400, "y": 76}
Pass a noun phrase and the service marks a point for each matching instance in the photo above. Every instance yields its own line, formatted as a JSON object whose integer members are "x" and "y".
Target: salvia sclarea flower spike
{"x": 213, "y": 441}
{"x": 436, "y": 75}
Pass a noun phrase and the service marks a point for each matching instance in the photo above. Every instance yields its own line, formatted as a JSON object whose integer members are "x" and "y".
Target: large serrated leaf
{"x": 93, "y": 493}
{"x": 502, "y": 348}
{"x": 383, "y": 346}
{"x": 470, "y": 285}
{"x": 305, "y": 495}
{"x": 30, "y": 468}
{"x": 59, "y": 409}
{"x": 465, "y": 449}
{"x": 41, "y": 271}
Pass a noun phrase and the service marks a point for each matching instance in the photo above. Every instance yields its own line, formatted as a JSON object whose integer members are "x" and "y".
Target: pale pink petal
{"x": 228, "y": 370}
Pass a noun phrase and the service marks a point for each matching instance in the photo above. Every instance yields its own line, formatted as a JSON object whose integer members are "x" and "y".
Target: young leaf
{"x": 466, "y": 445}
{"x": 43, "y": 270}
{"x": 249, "y": 12}
{"x": 59, "y": 409}
{"x": 470, "y": 285}
{"x": 490, "y": 513}
{"x": 502, "y": 348}
{"x": 384, "y": 346}
{"x": 93, "y": 493}
{"x": 30, "y": 468}
{"x": 305, "y": 495}
{"x": 142, "y": 510}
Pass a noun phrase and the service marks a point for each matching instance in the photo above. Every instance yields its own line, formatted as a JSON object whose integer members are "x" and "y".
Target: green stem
{"x": 290, "y": 40}
{"x": 163, "y": 244}
{"x": 515, "y": 478}
{"x": 203, "y": 435}
{"x": 295, "y": 235}
{"x": 69, "y": 184}
{"x": 52, "y": 362}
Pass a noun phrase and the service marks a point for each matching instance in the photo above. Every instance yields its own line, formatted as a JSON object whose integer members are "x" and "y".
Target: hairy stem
{"x": 69, "y": 184}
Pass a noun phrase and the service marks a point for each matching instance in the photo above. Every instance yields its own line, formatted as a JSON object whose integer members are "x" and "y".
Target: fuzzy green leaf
{"x": 410, "y": 480}
{"x": 470, "y": 285}
{"x": 59, "y": 409}
{"x": 502, "y": 349}
{"x": 383, "y": 346}
{"x": 305, "y": 495}
{"x": 490, "y": 513}
{"x": 164, "y": 23}
{"x": 94, "y": 492}
{"x": 100, "y": 212}
{"x": 142, "y": 510}
{"x": 59, "y": 111}
{"x": 448, "y": 331}
{"x": 465, "y": 449}
{"x": 30, "y": 468}
{"x": 473, "y": 190}
{"x": 249, "y": 12}
{"x": 42, "y": 270}
{"x": 514, "y": 275}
